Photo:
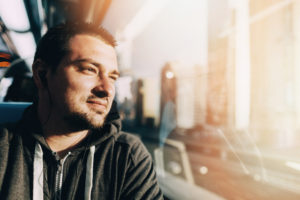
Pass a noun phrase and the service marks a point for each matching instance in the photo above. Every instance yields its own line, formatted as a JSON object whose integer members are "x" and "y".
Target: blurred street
{"x": 242, "y": 174}
{"x": 235, "y": 175}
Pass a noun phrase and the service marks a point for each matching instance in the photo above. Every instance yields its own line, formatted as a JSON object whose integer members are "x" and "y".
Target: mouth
{"x": 98, "y": 104}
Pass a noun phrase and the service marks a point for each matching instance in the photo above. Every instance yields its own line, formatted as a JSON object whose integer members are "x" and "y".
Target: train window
{"x": 220, "y": 78}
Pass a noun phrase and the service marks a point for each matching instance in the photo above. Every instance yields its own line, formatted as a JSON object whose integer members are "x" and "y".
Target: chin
{"x": 82, "y": 121}
{"x": 96, "y": 122}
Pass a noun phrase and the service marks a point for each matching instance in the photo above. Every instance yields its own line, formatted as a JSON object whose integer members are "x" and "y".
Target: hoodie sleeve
{"x": 141, "y": 181}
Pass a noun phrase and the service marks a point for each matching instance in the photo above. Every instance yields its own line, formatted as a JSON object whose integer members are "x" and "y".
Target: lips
{"x": 99, "y": 104}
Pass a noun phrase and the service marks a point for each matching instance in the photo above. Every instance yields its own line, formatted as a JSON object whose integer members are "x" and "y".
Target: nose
{"x": 104, "y": 87}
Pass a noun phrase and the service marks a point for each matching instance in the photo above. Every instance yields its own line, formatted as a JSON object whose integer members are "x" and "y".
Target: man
{"x": 68, "y": 144}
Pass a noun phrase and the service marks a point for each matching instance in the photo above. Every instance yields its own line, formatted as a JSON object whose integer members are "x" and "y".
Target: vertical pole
{"x": 242, "y": 65}
{"x": 202, "y": 69}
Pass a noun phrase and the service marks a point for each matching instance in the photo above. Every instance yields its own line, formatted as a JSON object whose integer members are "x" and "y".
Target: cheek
{"x": 80, "y": 85}
{"x": 112, "y": 95}
{"x": 75, "y": 94}
{"x": 113, "y": 91}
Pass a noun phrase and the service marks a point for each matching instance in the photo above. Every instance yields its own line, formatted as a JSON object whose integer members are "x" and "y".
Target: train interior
{"x": 212, "y": 87}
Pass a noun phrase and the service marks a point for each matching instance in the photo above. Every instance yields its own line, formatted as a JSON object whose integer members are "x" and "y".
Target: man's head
{"x": 54, "y": 45}
{"x": 75, "y": 67}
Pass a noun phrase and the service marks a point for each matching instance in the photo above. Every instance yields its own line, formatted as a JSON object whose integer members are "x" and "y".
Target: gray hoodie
{"x": 108, "y": 164}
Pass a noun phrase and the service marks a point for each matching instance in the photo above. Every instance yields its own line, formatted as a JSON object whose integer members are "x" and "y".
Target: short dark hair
{"x": 54, "y": 45}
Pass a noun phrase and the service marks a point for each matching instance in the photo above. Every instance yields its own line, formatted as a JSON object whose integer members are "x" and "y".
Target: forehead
{"x": 88, "y": 47}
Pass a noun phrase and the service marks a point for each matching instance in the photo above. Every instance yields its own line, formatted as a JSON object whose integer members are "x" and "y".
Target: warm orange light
{"x": 5, "y": 55}
{"x": 4, "y": 64}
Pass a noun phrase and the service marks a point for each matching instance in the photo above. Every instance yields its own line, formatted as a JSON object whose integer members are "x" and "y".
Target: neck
{"x": 58, "y": 135}
{"x": 62, "y": 143}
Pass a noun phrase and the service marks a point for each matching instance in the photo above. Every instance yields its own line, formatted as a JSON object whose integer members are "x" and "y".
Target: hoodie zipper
{"x": 59, "y": 176}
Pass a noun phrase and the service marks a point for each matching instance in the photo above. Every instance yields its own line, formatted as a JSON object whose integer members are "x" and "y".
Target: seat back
{"x": 11, "y": 111}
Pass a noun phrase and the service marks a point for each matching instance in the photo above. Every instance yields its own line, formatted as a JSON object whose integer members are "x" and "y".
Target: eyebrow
{"x": 88, "y": 61}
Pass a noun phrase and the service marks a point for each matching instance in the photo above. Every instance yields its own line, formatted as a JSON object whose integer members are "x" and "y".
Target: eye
{"x": 89, "y": 69}
{"x": 114, "y": 77}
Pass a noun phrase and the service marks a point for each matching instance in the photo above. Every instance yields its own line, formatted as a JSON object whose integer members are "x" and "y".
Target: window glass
{"x": 214, "y": 94}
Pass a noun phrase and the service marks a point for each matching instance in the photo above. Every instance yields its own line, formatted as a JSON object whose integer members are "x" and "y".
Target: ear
{"x": 40, "y": 70}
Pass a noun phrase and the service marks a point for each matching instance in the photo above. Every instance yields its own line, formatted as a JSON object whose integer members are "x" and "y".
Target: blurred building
{"x": 181, "y": 85}
{"x": 251, "y": 79}
{"x": 255, "y": 65}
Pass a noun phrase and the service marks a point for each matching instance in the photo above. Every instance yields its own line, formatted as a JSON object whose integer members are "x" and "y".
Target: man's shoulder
{"x": 127, "y": 138}
{"x": 7, "y": 132}
{"x": 134, "y": 144}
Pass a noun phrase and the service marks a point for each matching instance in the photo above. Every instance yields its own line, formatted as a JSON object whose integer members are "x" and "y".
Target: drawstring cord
{"x": 38, "y": 176}
{"x": 89, "y": 174}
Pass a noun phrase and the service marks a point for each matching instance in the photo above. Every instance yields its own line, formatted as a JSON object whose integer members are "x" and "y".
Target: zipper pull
{"x": 56, "y": 156}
